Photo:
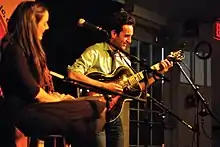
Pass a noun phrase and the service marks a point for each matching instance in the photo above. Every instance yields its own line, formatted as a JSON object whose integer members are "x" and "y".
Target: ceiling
{"x": 181, "y": 10}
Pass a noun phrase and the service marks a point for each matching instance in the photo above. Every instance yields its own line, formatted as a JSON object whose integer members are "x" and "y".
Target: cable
{"x": 193, "y": 135}
{"x": 203, "y": 129}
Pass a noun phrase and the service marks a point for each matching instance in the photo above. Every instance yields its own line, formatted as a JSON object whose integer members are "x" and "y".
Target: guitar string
{"x": 122, "y": 57}
{"x": 134, "y": 72}
{"x": 136, "y": 78}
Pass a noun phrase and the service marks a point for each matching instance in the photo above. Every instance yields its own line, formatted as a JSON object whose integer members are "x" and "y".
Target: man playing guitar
{"x": 104, "y": 58}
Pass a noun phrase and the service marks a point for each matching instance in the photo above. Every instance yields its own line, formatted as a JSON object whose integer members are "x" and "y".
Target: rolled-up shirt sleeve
{"x": 85, "y": 61}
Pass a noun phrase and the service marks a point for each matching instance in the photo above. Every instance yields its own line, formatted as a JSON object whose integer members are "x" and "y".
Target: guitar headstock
{"x": 176, "y": 56}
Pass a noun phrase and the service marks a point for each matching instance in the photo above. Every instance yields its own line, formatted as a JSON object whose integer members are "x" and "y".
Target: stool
{"x": 33, "y": 141}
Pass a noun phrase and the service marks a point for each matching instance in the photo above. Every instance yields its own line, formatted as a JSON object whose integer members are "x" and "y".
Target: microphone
{"x": 57, "y": 75}
{"x": 83, "y": 23}
{"x": 63, "y": 78}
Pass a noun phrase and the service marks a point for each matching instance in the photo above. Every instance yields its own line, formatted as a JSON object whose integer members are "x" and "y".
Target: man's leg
{"x": 116, "y": 134}
{"x": 101, "y": 139}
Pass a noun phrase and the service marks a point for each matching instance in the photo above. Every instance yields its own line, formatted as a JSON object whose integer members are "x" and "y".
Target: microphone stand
{"x": 206, "y": 110}
{"x": 164, "y": 108}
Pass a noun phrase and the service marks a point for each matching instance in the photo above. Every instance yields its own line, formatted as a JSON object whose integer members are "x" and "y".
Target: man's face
{"x": 123, "y": 39}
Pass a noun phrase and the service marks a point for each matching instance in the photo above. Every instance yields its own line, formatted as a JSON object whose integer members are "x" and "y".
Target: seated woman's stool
{"x": 35, "y": 141}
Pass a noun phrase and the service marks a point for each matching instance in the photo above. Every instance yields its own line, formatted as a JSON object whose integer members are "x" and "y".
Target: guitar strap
{"x": 129, "y": 66}
{"x": 111, "y": 53}
{"x": 113, "y": 66}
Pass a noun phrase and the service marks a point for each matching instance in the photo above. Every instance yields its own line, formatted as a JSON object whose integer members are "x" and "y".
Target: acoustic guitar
{"x": 129, "y": 81}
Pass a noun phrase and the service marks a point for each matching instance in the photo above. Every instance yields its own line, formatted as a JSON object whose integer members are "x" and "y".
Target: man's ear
{"x": 113, "y": 34}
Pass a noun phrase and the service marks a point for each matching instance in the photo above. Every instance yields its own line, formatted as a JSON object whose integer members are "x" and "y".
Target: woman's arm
{"x": 43, "y": 96}
{"x": 20, "y": 79}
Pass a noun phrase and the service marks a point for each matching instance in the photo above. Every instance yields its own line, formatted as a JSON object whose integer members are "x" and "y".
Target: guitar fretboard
{"x": 135, "y": 78}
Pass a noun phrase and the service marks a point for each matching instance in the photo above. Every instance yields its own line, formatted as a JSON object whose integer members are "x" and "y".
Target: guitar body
{"x": 122, "y": 76}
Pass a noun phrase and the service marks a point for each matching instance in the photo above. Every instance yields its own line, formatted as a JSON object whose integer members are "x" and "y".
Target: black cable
{"x": 203, "y": 129}
{"x": 194, "y": 134}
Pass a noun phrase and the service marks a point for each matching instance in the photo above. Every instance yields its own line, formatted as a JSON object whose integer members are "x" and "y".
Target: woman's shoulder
{"x": 12, "y": 45}
{"x": 13, "y": 49}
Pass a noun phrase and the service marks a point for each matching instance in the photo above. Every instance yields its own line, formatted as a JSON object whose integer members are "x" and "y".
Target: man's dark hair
{"x": 118, "y": 19}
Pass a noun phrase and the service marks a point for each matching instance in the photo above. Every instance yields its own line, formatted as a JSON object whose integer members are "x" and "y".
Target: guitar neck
{"x": 136, "y": 78}
{"x": 140, "y": 75}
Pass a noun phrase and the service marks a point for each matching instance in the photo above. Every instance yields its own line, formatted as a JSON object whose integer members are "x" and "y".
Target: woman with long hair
{"x": 30, "y": 102}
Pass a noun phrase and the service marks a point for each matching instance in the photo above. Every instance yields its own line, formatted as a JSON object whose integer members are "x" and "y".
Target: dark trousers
{"x": 112, "y": 136}
{"x": 75, "y": 120}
